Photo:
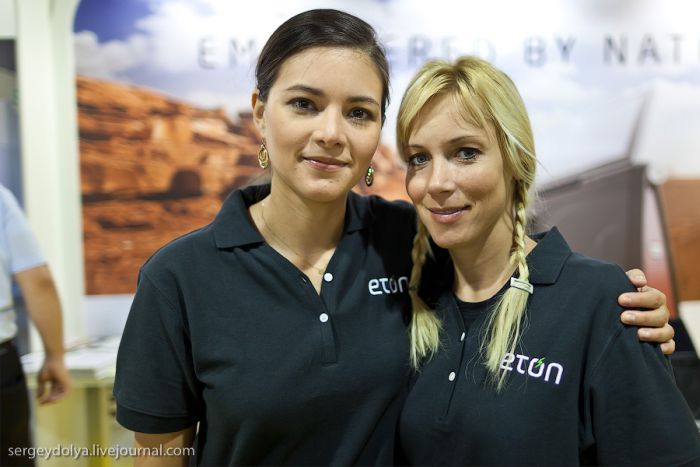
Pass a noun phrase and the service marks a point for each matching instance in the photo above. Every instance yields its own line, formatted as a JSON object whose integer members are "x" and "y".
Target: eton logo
{"x": 536, "y": 368}
{"x": 387, "y": 285}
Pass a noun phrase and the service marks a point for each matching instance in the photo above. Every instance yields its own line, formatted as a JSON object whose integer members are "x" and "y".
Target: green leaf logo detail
{"x": 540, "y": 362}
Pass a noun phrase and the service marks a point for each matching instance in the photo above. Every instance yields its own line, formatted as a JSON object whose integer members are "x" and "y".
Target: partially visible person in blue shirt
{"x": 21, "y": 260}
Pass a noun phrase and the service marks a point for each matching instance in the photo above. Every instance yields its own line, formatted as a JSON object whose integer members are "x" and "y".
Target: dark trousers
{"x": 14, "y": 408}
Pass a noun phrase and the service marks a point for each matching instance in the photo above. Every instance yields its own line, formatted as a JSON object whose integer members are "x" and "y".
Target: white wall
{"x": 49, "y": 139}
{"x": 7, "y": 19}
{"x": 668, "y": 138}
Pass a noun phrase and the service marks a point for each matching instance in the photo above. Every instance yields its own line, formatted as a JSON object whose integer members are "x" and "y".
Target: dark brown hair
{"x": 319, "y": 28}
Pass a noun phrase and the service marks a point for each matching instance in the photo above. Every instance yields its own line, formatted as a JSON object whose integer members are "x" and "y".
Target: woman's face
{"x": 321, "y": 121}
{"x": 456, "y": 178}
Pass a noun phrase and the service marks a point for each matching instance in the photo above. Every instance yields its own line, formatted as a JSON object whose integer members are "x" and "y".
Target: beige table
{"x": 85, "y": 419}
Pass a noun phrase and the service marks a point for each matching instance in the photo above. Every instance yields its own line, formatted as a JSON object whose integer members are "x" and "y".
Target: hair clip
{"x": 521, "y": 284}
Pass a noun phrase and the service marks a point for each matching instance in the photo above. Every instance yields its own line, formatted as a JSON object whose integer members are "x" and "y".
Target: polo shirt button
{"x": 461, "y": 338}
{"x": 323, "y": 317}
{"x": 328, "y": 277}
{"x": 452, "y": 376}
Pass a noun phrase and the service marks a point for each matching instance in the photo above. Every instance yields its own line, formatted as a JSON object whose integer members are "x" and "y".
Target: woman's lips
{"x": 447, "y": 215}
{"x": 325, "y": 164}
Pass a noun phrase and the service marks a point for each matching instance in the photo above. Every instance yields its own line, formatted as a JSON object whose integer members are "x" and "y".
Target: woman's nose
{"x": 441, "y": 179}
{"x": 330, "y": 130}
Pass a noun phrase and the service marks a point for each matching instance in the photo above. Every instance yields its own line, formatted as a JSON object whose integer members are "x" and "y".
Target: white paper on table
{"x": 689, "y": 312}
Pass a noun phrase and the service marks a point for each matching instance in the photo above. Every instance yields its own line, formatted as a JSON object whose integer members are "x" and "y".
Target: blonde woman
{"x": 522, "y": 358}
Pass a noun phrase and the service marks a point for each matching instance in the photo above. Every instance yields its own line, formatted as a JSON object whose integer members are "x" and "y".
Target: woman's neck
{"x": 483, "y": 266}
{"x": 302, "y": 230}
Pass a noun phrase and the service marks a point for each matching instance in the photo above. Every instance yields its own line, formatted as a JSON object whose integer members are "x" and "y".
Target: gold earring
{"x": 369, "y": 176}
{"x": 263, "y": 157}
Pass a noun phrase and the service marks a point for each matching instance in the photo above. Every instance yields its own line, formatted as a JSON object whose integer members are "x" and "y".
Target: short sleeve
{"x": 17, "y": 237}
{"x": 635, "y": 413}
{"x": 155, "y": 387}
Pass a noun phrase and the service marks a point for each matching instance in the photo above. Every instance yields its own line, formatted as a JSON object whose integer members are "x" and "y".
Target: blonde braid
{"x": 519, "y": 252}
{"x": 425, "y": 325}
{"x": 506, "y": 322}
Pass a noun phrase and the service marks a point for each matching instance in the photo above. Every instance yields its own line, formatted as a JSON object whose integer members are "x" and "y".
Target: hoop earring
{"x": 263, "y": 157}
{"x": 369, "y": 176}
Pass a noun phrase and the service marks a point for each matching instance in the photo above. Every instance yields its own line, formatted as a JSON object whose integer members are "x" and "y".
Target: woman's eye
{"x": 361, "y": 114}
{"x": 467, "y": 154}
{"x": 417, "y": 160}
{"x": 301, "y": 104}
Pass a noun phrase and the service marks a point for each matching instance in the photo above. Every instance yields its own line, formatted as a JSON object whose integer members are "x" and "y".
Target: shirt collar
{"x": 545, "y": 262}
{"x": 547, "y": 259}
{"x": 233, "y": 227}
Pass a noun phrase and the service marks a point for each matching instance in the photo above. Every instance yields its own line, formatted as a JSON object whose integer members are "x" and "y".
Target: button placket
{"x": 455, "y": 348}
{"x": 328, "y": 344}
{"x": 329, "y": 353}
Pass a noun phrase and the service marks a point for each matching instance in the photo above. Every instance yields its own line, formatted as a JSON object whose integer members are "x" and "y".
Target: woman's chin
{"x": 327, "y": 190}
{"x": 449, "y": 238}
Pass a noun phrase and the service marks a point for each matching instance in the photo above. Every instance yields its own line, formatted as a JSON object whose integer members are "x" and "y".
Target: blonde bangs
{"x": 432, "y": 79}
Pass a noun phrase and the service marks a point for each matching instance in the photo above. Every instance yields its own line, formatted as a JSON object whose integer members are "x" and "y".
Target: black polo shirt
{"x": 581, "y": 388}
{"x": 227, "y": 333}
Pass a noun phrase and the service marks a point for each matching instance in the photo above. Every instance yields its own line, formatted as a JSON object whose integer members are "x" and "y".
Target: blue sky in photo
{"x": 110, "y": 19}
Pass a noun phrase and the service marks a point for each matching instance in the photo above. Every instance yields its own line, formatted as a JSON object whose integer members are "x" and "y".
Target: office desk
{"x": 85, "y": 419}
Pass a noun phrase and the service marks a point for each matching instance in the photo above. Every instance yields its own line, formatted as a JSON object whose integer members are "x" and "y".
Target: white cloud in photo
{"x": 558, "y": 85}
{"x": 109, "y": 60}
{"x": 636, "y": 16}
{"x": 582, "y": 111}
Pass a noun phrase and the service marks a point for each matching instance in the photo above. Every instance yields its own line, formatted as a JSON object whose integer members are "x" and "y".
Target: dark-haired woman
{"x": 279, "y": 329}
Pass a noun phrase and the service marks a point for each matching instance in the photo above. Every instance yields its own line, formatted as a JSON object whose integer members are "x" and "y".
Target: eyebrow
{"x": 457, "y": 139}
{"x": 318, "y": 92}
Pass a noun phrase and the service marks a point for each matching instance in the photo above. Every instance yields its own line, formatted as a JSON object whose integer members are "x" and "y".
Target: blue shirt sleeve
{"x": 17, "y": 241}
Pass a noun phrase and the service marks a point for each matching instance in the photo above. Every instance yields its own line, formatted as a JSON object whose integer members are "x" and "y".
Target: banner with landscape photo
{"x": 164, "y": 99}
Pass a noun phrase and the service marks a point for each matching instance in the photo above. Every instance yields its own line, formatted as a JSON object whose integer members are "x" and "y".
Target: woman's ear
{"x": 258, "y": 111}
